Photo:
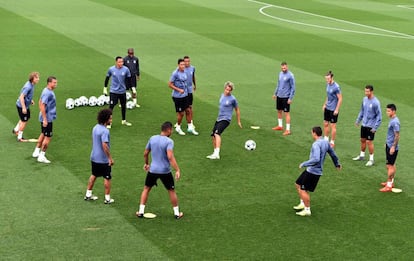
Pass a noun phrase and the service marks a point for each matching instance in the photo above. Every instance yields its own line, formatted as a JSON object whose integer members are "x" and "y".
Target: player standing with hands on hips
{"x": 371, "y": 117}
{"x": 119, "y": 75}
{"x": 391, "y": 146}
{"x": 162, "y": 155}
{"x": 309, "y": 178}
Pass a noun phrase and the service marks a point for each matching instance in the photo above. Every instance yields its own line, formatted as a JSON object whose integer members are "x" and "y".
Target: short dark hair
{"x": 180, "y": 60}
{"x": 166, "y": 126}
{"x": 283, "y": 63}
{"x": 392, "y": 107}
{"x": 369, "y": 87}
{"x": 186, "y": 57}
{"x": 118, "y": 57}
{"x": 50, "y": 78}
{"x": 104, "y": 115}
{"x": 330, "y": 73}
{"x": 317, "y": 130}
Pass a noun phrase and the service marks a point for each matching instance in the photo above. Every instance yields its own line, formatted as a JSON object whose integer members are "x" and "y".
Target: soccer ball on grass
{"x": 250, "y": 145}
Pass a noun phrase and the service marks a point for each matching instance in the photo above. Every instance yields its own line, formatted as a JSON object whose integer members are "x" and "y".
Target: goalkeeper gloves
{"x": 105, "y": 91}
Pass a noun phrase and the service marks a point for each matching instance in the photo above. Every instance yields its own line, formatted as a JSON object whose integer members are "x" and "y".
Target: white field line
{"x": 410, "y": 7}
{"x": 387, "y": 33}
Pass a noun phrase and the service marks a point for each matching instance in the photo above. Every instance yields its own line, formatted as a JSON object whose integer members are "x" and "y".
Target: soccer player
{"x": 101, "y": 158}
{"x": 23, "y": 105}
{"x": 162, "y": 155}
{"x": 309, "y": 178}
{"x": 391, "y": 146}
{"x": 132, "y": 62}
{"x": 371, "y": 117}
{"x": 227, "y": 103}
{"x": 178, "y": 84}
{"x": 331, "y": 107}
{"x": 191, "y": 87}
{"x": 119, "y": 75}
{"x": 47, "y": 106}
{"x": 284, "y": 92}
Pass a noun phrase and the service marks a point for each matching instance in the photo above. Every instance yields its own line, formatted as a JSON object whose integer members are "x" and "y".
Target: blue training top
{"x": 190, "y": 72}
{"x": 28, "y": 91}
{"x": 370, "y": 113}
{"x": 226, "y": 106}
{"x": 48, "y": 98}
{"x": 317, "y": 156}
{"x": 332, "y": 91}
{"x": 159, "y": 145}
{"x": 286, "y": 85}
{"x": 393, "y": 127}
{"x": 100, "y": 134}
{"x": 179, "y": 79}
{"x": 118, "y": 76}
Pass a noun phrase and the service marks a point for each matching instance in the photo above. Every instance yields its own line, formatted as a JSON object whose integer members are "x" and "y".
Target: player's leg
{"x": 91, "y": 182}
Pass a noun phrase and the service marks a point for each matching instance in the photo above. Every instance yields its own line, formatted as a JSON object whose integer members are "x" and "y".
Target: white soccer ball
{"x": 70, "y": 103}
{"x": 128, "y": 96}
{"x": 78, "y": 102}
{"x": 92, "y": 101}
{"x": 84, "y": 101}
{"x": 130, "y": 105}
{"x": 101, "y": 101}
{"x": 250, "y": 145}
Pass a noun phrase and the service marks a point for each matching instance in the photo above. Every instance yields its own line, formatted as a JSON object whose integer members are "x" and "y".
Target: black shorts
{"x": 132, "y": 83}
{"x": 308, "y": 181}
{"x": 219, "y": 127}
{"x": 390, "y": 159}
{"x": 48, "y": 130}
{"x": 22, "y": 116}
{"x": 166, "y": 179}
{"x": 114, "y": 97}
{"x": 190, "y": 99}
{"x": 329, "y": 116}
{"x": 366, "y": 133}
{"x": 282, "y": 104}
{"x": 101, "y": 170}
{"x": 181, "y": 104}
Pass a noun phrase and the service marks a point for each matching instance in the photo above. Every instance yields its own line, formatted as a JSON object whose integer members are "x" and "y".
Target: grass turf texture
{"x": 241, "y": 206}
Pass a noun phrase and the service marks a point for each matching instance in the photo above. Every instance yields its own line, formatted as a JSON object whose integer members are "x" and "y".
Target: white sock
{"x": 134, "y": 100}
{"x": 176, "y": 211}
{"x": 217, "y": 151}
{"x": 16, "y": 129}
{"x": 301, "y": 202}
{"x": 362, "y": 154}
{"x": 37, "y": 150}
{"x": 107, "y": 197}
{"x": 280, "y": 122}
{"x": 141, "y": 209}
{"x": 20, "y": 135}
{"x": 88, "y": 193}
{"x": 190, "y": 126}
{"x": 287, "y": 126}
{"x": 42, "y": 154}
{"x": 389, "y": 183}
{"x": 371, "y": 157}
{"x": 332, "y": 141}
{"x": 307, "y": 209}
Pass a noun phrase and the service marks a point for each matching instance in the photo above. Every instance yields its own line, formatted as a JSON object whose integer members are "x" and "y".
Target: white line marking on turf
{"x": 392, "y": 34}
{"x": 410, "y": 7}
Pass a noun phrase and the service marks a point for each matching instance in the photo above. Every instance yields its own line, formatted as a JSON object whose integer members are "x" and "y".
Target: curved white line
{"x": 391, "y": 34}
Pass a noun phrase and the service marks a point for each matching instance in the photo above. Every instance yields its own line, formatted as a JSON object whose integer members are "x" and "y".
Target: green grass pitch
{"x": 237, "y": 208}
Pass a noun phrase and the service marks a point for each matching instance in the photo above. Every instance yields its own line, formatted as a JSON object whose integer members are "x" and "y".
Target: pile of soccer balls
{"x": 95, "y": 101}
